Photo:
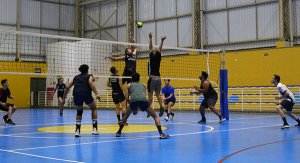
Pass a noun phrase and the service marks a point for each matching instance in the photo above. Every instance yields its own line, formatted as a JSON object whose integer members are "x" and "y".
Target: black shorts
{"x": 143, "y": 105}
{"x": 118, "y": 97}
{"x": 60, "y": 95}
{"x": 5, "y": 108}
{"x": 80, "y": 99}
{"x": 287, "y": 105}
{"x": 170, "y": 100}
{"x": 209, "y": 102}
{"x": 128, "y": 80}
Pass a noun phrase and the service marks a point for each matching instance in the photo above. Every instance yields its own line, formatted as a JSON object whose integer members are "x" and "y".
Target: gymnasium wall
{"x": 256, "y": 67}
{"x": 245, "y": 68}
{"x": 20, "y": 84}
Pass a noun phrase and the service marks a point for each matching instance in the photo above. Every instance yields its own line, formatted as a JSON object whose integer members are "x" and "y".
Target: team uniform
{"x": 4, "y": 93}
{"x": 210, "y": 97}
{"x": 154, "y": 82}
{"x": 130, "y": 67}
{"x": 117, "y": 92}
{"x": 289, "y": 101}
{"x": 167, "y": 91}
{"x": 138, "y": 99}
{"x": 60, "y": 89}
{"x": 82, "y": 93}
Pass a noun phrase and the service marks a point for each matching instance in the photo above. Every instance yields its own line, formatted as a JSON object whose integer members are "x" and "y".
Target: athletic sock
{"x": 172, "y": 114}
{"x": 123, "y": 115}
{"x": 159, "y": 129}
{"x": 166, "y": 111}
{"x": 168, "y": 115}
{"x": 78, "y": 125}
{"x": 120, "y": 129}
{"x": 284, "y": 121}
{"x": 95, "y": 123}
{"x": 119, "y": 117}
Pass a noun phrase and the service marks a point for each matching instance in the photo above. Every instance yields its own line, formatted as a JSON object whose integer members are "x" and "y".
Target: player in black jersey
{"x": 210, "y": 97}
{"x": 4, "y": 106}
{"x": 82, "y": 93}
{"x": 130, "y": 63}
{"x": 60, "y": 87}
{"x": 117, "y": 92}
{"x": 154, "y": 82}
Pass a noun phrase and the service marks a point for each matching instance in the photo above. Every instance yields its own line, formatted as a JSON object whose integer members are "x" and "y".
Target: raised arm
{"x": 162, "y": 42}
{"x": 150, "y": 42}
{"x": 115, "y": 58}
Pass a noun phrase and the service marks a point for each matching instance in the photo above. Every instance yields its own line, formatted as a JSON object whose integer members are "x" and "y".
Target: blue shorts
{"x": 143, "y": 105}
{"x": 80, "y": 99}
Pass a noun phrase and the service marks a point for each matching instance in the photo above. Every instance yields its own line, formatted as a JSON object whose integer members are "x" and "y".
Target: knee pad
{"x": 79, "y": 112}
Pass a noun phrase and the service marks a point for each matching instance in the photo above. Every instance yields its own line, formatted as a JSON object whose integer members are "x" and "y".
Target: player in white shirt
{"x": 287, "y": 103}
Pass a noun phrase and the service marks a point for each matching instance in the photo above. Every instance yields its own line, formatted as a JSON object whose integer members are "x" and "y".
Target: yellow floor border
{"x": 103, "y": 128}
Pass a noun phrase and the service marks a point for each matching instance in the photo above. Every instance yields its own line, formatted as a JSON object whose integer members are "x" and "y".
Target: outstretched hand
{"x": 163, "y": 38}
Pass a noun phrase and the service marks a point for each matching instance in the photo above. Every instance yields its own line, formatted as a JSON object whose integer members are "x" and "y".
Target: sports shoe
{"x": 297, "y": 125}
{"x": 118, "y": 134}
{"x": 95, "y": 131}
{"x": 5, "y": 117}
{"x": 77, "y": 133}
{"x": 166, "y": 118}
{"x": 164, "y": 136}
{"x": 134, "y": 112}
{"x": 285, "y": 126}
{"x": 10, "y": 122}
{"x": 222, "y": 120}
{"x": 172, "y": 116}
{"x": 161, "y": 111}
{"x": 202, "y": 121}
{"x": 61, "y": 113}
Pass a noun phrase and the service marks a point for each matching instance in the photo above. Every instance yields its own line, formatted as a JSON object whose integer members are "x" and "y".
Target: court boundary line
{"x": 256, "y": 146}
{"x": 39, "y": 156}
{"x": 139, "y": 138}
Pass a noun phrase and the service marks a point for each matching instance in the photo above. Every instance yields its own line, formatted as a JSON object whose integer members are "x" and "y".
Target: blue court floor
{"x": 244, "y": 138}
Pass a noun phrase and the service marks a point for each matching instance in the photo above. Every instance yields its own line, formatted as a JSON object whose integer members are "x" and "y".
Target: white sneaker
{"x": 77, "y": 133}
{"x": 172, "y": 117}
{"x": 285, "y": 126}
{"x": 166, "y": 118}
{"x": 95, "y": 131}
{"x": 222, "y": 120}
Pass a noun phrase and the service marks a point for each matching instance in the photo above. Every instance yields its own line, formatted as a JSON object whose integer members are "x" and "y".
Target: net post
{"x": 224, "y": 87}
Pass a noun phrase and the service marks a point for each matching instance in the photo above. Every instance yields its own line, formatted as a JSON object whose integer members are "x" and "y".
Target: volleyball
{"x": 139, "y": 24}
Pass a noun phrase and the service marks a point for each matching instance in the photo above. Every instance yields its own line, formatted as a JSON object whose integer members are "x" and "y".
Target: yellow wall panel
{"x": 20, "y": 84}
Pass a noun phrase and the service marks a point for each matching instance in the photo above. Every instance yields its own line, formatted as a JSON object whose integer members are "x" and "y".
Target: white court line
{"x": 38, "y": 156}
{"x": 139, "y": 138}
